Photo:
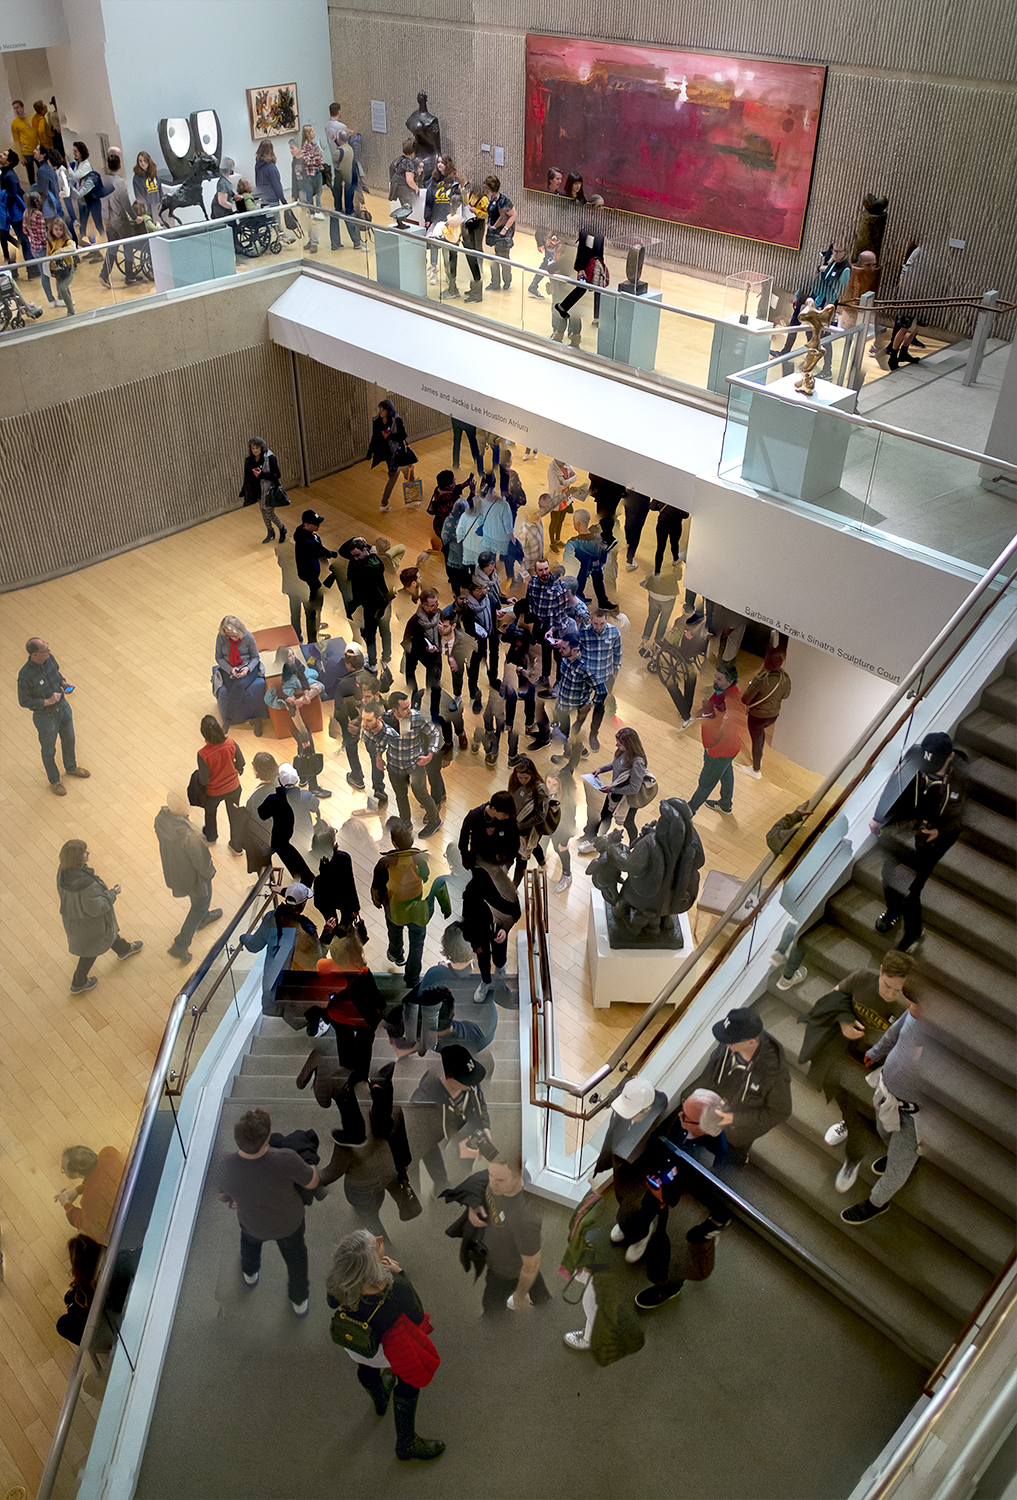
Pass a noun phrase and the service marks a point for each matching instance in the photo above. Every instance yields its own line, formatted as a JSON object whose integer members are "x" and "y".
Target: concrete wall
{"x": 919, "y": 105}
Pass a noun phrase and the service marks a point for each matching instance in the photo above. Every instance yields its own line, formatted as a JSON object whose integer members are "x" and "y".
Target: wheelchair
{"x": 142, "y": 258}
{"x": 254, "y": 236}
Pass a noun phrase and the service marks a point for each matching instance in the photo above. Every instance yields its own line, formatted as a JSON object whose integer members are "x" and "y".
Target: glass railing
{"x": 803, "y": 862}
{"x": 911, "y": 490}
{"x": 216, "y": 1000}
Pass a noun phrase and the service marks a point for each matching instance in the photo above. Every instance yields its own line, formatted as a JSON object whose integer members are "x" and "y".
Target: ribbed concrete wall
{"x": 921, "y": 105}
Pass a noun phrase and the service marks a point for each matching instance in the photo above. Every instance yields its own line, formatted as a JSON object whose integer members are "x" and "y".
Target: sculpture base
{"x": 631, "y": 975}
{"x": 669, "y": 937}
{"x": 637, "y": 288}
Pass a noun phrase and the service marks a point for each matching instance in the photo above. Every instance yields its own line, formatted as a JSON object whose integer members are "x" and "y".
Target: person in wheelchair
{"x": 253, "y": 237}
{"x": 14, "y": 310}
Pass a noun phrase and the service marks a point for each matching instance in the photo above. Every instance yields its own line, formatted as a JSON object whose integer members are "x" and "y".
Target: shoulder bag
{"x": 356, "y": 1334}
{"x": 646, "y": 793}
{"x": 196, "y": 793}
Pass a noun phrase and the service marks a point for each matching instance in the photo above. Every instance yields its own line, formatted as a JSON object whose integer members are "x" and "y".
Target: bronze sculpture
{"x": 426, "y": 131}
{"x": 819, "y": 322}
{"x": 649, "y": 883}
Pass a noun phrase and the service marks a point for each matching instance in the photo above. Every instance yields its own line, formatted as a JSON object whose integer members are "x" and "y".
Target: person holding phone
{"x": 86, "y": 910}
{"x": 43, "y": 688}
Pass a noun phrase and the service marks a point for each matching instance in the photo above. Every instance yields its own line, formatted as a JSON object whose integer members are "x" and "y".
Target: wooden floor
{"x": 683, "y": 344}
{"x": 136, "y": 635}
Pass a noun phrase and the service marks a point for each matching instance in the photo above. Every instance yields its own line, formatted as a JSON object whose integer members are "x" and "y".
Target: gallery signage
{"x": 721, "y": 143}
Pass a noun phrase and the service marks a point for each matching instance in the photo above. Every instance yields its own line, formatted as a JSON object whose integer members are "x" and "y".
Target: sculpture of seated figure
{"x": 649, "y": 883}
{"x": 426, "y": 131}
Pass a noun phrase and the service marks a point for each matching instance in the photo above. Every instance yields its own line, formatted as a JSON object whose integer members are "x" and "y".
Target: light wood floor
{"x": 136, "y": 635}
{"x": 683, "y": 345}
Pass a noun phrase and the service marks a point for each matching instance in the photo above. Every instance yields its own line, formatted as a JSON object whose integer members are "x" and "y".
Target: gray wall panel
{"x": 921, "y": 105}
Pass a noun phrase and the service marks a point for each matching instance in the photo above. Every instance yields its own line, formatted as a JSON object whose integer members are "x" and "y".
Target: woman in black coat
{"x": 389, "y": 446}
{"x": 261, "y": 480}
{"x": 335, "y": 890}
{"x": 489, "y": 914}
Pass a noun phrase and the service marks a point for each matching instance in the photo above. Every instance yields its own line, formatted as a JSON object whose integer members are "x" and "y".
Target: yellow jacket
{"x": 42, "y": 129}
{"x": 24, "y": 135}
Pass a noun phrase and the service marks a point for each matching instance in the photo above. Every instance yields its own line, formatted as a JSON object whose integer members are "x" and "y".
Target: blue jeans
{"x": 197, "y": 914}
{"x": 716, "y": 768}
{"x": 48, "y": 726}
{"x": 417, "y": 932}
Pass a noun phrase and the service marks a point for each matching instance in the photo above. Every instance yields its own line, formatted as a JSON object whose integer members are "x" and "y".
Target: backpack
{"x": 404, "y": 880}
{"x": 354, "y": 1334}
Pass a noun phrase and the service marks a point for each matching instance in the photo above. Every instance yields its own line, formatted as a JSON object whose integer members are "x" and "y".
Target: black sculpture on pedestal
{"x": 633, "y": 271}
{"x": 649, "y": 883}
{"x": 426, "y": 131}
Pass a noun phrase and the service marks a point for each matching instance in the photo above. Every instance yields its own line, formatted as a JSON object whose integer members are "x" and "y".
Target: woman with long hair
{"x": 220, "y": 761}
{"x": 628, "y": 771}
{"x": 443, "y": 193}
{"x": 388, "y": 446}
{"x": 266, "y": 175}
{"x": 146, "y": 183}
{"x": 260, "y": 482}
{"x": 574, "y": 188}
{"x": 84, "y": 1257}
{"x": 311, "y": 153}
{"x": 240, "y": 690}
{"x": 532, "y": 799}
{"x": 86, "y": 910}
{"x": 65, "y": 264}
{"x": 86, "y": 194}
{"x": 367, "y": 1286}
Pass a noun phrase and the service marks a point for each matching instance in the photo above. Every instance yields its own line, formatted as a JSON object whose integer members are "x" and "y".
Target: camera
{"x": 478, "y": 1141}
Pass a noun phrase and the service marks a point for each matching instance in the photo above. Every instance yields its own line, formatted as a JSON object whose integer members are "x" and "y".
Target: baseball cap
{"x": 313, "y": 516}
{"x": 936, "y": 751}
{"x": 460, "y": 1065}
{"x": 287, "y": 775}
{"x": 297, "y": 894}
{"x": 738, "y": 1026}
{"x": 636, "y": 1096}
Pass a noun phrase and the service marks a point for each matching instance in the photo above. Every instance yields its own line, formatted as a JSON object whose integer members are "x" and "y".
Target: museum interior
{"x": 693, "y": 331}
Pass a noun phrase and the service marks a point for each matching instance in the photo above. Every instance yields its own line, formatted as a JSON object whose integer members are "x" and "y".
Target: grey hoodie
{"x": 186, "y": 858}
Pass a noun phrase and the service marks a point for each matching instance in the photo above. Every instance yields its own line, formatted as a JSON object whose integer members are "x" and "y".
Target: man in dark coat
{"x": 917, "y": 819}
{"x": 42, "y": 688}
{"x": 750, "y": 1073}
{"x": 369, "y": 590}
{"x": 310, "y": 552}
{"x": 187, "y": 869}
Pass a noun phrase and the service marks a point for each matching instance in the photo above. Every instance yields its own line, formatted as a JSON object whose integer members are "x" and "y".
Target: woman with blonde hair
{"x": 86, "y": 910}
{"x": 311, "y": 153}
{"x": 238, "y": 680}
{"x": 380, "y": 1321}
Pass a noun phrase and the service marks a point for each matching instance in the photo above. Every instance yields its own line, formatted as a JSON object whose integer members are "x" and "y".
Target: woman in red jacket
{"x": 723, "y": 736}
{"x": 220, "y": 762}
{"x": 365, "y": 1285}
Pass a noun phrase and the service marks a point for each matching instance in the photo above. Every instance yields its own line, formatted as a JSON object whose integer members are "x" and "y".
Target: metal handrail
{"x": 580, "y": 1090}
{"x": 928, "y": 1389}
{"x": 128, "y": 1183}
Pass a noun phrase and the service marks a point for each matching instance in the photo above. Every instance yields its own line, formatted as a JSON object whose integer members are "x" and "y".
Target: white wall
{"x": 830, "y": 704}
{"x": 80, "y": 81}
{"x": 31, "y": 23}
{"x": 170, "y": 57}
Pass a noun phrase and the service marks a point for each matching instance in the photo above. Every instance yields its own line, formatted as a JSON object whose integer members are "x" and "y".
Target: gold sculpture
{"x": 819, "y": 322}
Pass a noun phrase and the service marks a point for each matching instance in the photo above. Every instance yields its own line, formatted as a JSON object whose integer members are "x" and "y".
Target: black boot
{"x": 258, "y": 724}
{"x": 378, "y": 1384}
{"x": 408, "y": 1445}
{"x": 269, "y": 538}
{"x": 282, "y": 533}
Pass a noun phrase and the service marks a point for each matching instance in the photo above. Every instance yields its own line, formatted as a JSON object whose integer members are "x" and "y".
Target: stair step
{"x": 497, "y": 1090}
{"x": 1010, "y": 665}
{"x": 1000, "y": 697}
{"x": 934, "y": 1268}
{"x": 994, "y": 784}
{"x": 980, "y": 876}
{"x": 918, "y": 1322}
{"x": 942, "y": 960}
{"x": 952, "y": 912}
{"x": 990, "y": 734}
{"x": 991, "y": 832}
{"x": 830, "y": 954}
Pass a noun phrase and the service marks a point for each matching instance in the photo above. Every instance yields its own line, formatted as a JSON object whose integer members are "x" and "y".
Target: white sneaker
{"x": 748, "y": 770}
{"x": 587, "y": 846}
{"x": 563, "y": 885}
{"x": 384, "y": 509}
{"x": 577, "y": 1340}
{"x": 300, "y": 1308}
{"x": 317, "y": 216}
{"x": 252, "y": 1280}
{"x": 432, "y": 275}
{"x": 323, "y": 1029}
{"x": 796, "y": 978}
{"x": 617, "y": 1235}
{"x": 631, "y": 567}
{"x": 636, "y": 1252}
{"x": 483, "y": 992}
{"x": 836, "y": 1135}
{"x": 845, "y": 1179}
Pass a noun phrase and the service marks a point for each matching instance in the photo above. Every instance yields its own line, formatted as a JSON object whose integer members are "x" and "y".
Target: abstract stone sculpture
{"x": 871, "y": 226}
{"x": 649, "y": 883}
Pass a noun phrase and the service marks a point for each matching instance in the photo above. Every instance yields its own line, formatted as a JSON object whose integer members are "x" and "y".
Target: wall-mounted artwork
{"x": 720, "y": 143}
{"x": 273, "y": 111}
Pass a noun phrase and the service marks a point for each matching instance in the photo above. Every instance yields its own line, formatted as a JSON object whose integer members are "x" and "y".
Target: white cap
{"x": 287, "y": 775}
{"x": 636, "y": 1096}
{"x": 297, "y": 894}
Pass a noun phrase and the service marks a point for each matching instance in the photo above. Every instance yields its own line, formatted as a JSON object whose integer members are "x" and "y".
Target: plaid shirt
{"x": 602, "y": 653}
{"x": 575, "y": 685}
{"x": 546, "y": 602}
{"x": 402, "y": 751}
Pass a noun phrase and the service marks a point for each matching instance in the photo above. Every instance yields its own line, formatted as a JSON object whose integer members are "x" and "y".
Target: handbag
{"x": 308, "y": 763}
{"x": 413, "y": 492}
{"x": 196, "y": 794}
{"x": 277, "y": 497}
{"x": 646, "y": 793}
{"x": 356, "y": 1334}
{"x": 552, "y": 817}
{"x": 405, "y": 1199}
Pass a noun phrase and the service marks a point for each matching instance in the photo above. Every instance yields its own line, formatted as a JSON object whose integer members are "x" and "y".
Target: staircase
{"x": 923, "y": 1266}
{"x": 269, "y": 1071}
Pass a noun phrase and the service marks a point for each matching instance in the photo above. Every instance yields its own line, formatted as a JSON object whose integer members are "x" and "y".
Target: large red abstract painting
{"x": 722, "y": 143}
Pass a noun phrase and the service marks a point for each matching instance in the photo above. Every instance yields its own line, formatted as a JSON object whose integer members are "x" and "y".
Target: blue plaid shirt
{"x": 402, "y": 750}
{"x": 602, "y": 653}
{"x": 575, "y": 685}
{"x": 546, "y": 602}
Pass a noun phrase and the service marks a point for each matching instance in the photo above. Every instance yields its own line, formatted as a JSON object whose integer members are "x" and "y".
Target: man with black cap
{"x": 917, "y": 819}
{"x": 310, "y": 551}
{"x": 453, "y": 1108}
{"x": 368, "y": 590}
{"x": 750, "y": 1073}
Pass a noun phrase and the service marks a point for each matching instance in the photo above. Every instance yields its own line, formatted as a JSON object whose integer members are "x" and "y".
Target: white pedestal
{"x": 789, "y": 448}
{"x": 628, "y": 328}
{"x": 184, "y": 259}
{"x": 402, "y": 260}
{"x": 629, "y": 975}
{"x": 737, "y": 346}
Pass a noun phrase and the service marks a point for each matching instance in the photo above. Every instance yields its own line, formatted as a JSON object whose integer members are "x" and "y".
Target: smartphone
{"x": 68, "y": 689}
